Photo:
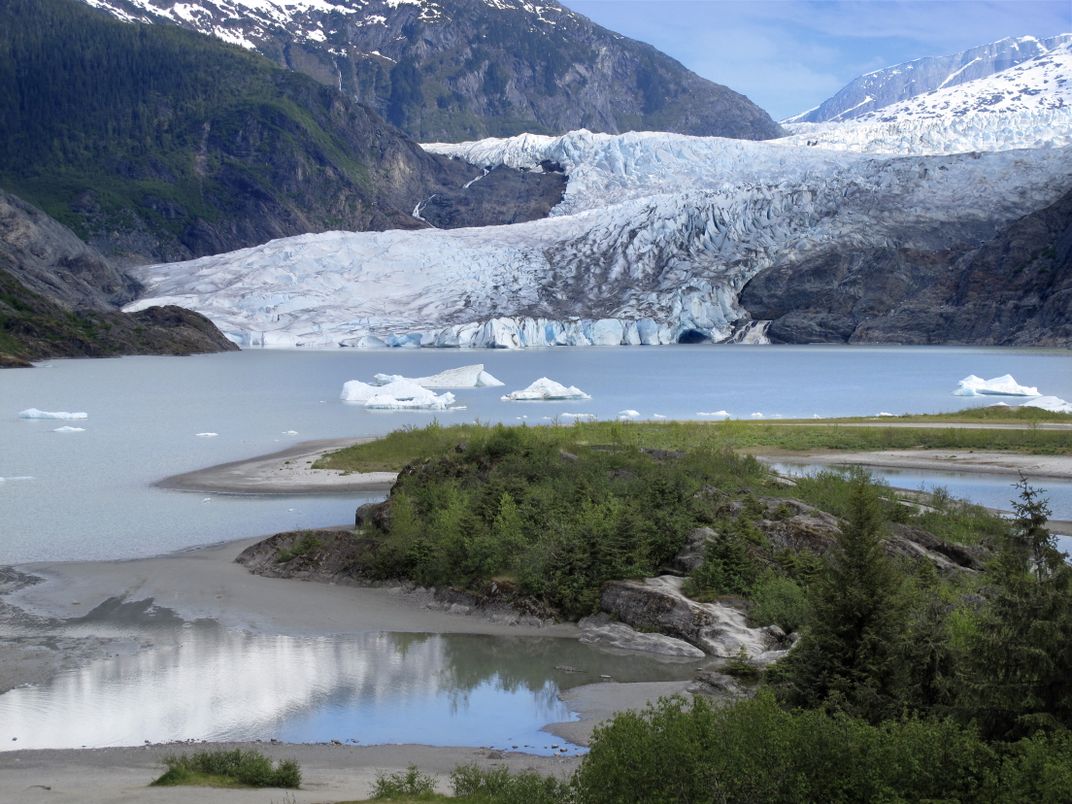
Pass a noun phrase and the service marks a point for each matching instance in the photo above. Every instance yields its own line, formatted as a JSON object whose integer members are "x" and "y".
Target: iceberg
{"x": 717, "y": 414}
{"x": 578, "y": 416}
{"x": 628, "y": 413}
{"x": 34, "y": 413}
{"x": 206, "y": 435}
{"x": 398, "y": 394}
{"x": 68, "y": 429}
{"x": 548, "y": 390}
{"x": 465, "y": 377}
{"x": 1053, "y": 404}
{"x": 1005, "y": 385}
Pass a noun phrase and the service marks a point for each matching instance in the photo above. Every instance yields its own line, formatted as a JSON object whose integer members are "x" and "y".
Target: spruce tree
{"x": 1020, "y": 663}
{"x": 847, "y": 659}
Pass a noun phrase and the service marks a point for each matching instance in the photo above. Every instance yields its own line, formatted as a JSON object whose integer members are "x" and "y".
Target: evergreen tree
{"x": 847, "y": 659}
{"x": 1020, "y": 667}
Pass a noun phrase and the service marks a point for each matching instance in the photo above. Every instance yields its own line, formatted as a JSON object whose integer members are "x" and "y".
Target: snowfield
{"x": 657, "y": 233}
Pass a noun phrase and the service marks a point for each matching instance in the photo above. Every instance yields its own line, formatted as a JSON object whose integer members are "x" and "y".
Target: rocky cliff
{"x": 459, "y": 69}
{"x": 1014, "y": 289}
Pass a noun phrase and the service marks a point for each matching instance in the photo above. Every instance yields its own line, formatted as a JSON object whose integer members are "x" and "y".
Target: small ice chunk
{"x": 578, "y": 415}
{"x": 465, "y": 377}
{"x": 68, "y": 429}
{"x": 1054, "y": 404}
{"x": 628, "y": 413}
{"x": 717, "y": 414}
{"x": 1005, "y": 385}
{"x": 546, "y": 389}
{"x": 756, "y": 414}
{"x": 657, "y": 416}
{"x": 883, "y": 414}
{"x": 206, "y": 435}
{"x": 396, "y": 395}
{"x": 34, "y": 413}
{"x": 290, "y": 432}
{"x": 16, "y": 478}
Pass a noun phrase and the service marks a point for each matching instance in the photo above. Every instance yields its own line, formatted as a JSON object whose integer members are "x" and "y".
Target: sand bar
{"x": 1049, "y": 467}
{"x": 286, "y": 472}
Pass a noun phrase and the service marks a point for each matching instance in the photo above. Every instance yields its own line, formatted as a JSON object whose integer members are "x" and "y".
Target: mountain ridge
{"x": 463, "y": 69}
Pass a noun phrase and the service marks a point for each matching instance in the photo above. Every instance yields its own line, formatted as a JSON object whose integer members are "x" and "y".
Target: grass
{"x": 404, "y": 446}
{"x": 235, "y": 768}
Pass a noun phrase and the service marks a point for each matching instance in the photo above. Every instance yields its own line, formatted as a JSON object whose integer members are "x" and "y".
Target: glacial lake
{"x": 220, "y": 685}
{"x": 89, "y": 494}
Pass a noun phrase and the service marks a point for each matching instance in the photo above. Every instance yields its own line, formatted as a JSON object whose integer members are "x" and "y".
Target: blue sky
{"x": 790, "y": 55}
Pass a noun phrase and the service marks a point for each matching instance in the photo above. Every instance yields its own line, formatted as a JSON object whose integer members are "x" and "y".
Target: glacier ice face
{"x": 465, "y": 377}
{"x": 1005, "y": 385}
{"x": 545, "y": 389}
{"x": 692, "y": 220}
{"x": 34, "y": 413}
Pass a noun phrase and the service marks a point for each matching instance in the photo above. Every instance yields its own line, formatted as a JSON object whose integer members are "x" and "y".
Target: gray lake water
{"x": 222, "y": 686}
{"x": 90, "y": 494}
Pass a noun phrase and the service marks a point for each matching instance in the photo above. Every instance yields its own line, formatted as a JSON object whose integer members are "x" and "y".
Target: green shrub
{"x": 236, "y": 767}
{"x": 498, "y": 786}
{"x": 410, "y": 783}
{"x": 779, "y": 601}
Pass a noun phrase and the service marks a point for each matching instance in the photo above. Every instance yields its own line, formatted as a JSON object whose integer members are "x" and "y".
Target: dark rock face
{"x": 1014, "y": 289}
{"x": 502, "y": 196}
{"x": 58, "y": 297}
{"x": 53, "y": 262}
{"x": 464, "y": 69}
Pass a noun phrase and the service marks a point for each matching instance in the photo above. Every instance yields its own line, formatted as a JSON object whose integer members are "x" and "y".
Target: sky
{"x": 790, "y": 55}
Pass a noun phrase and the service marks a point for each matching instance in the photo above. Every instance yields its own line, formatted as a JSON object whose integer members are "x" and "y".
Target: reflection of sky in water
{"x": 993, "y": 491}
{"x": 375, "y": 688}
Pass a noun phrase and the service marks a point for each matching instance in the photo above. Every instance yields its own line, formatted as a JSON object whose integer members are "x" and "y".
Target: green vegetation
{"x": 410, "y": 784}
{"x": 401, "y": 447}
{"x": 907, "y": 684}
{"x": 236, "y": 768}
{"x": 307, "y": 543}
{"x": 172, "y": 135}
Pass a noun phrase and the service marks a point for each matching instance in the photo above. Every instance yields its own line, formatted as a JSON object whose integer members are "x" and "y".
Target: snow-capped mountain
{"x": 1028, "y": 105}
{"x": 695, "y": 219}
{"x": 461, "y": 69}
{"x": 901, "y": 82}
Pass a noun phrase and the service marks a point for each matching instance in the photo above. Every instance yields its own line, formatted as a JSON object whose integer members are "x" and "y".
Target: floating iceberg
{"x": 206, "y": 435}
{"x": 396, "y": 395}
{"x": 545, "y": 389}
{"x": 1053, "y": 404}
{"x": 465, "y": 377}
{"x": 34, "y": 413}
{"x": 1005, "y": 385}
{"x": 885, "y": 414}
{"x": 68, "y": 429}
{"x": 17, "y": 477}
{"x": 629, "y": 413}
{"x": 578, "y": 415}
{"x": 717, "y": 414}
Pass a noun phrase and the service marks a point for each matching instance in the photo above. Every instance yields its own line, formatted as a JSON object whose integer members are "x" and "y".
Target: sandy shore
{"x": 330, "y": 772}
{"x": 1042, "y": 467}
{"x": 286, "y": 472}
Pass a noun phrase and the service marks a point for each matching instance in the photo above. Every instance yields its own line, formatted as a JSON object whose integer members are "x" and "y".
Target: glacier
{"x": 656, "y": 233}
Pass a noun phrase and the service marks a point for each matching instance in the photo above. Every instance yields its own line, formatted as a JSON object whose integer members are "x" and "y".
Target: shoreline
{"x": 286, "y": 472}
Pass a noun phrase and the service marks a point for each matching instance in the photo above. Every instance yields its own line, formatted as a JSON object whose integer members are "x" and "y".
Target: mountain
{"x": 156, "y": 143}
{"x": 59, "y": 297}
{"x": 1015, "y": 289}
{"x": 1028, "y": 105}
{"x": 460, "y": 69}
{"x": 653, "y": 241}
{"x": 893, "y": 85}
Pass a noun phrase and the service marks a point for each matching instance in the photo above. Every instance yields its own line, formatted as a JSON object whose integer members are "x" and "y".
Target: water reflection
{"x": 214, "y": 684}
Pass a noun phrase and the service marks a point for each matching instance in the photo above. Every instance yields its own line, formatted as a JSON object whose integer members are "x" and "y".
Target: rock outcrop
{"x": 1013, "y": 289}
{"x": 657, "y": 604}
{"x": 601, "y": 630}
